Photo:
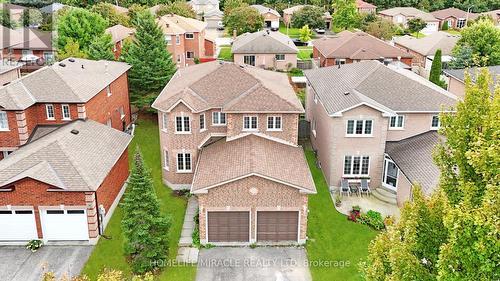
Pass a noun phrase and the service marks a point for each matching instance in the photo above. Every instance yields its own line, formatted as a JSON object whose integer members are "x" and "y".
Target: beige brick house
{"x": 229, "y": 134}
{"x": 372, "y": 121}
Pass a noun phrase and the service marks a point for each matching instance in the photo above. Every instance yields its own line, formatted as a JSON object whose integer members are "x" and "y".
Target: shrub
{"x": 372, "y": 219}
{"x": 34, "y": 245}
{"x": 196, "y": 230}
{"x": 296, "y": 72}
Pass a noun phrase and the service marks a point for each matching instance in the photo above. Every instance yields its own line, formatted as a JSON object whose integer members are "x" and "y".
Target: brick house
{"x": 266, "y": 49}
{"x": 288, "y": 13}
{"x": 69, "y": 90}
{"x": 63, "y": 186}
{"x": 271, "y": 16}
{"x": 456, "y": 18}
{"x": 119, "y": 34}
{"x": 348, "y": 47}
{"x": 364, "y": 7}
{"x": 456, "y": 78}
{"x": 34, "y": 51}
{"x": 377, "y": 122}
{"x": 186, "y": 39}
{"x": 244, "y": 120}
{"x": 401, "y": 16}
{"x": 9, "y": 72}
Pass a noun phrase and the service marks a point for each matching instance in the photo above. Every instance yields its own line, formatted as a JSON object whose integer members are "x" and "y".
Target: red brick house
{"x": 349, "y": 47}
{"x": 57, "y": 94}
{"x": 119, "y": 34}
{"x": 456, "y": 18}
{"x": 64, "y": 185}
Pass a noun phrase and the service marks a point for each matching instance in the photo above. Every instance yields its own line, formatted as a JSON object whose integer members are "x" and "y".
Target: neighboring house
{"x": 364, "y": 7}
{"x": 348, "y": 47}
{"x": 9, "y": 72}
{"x": 229, "y": 133}
{"x": 456, "y": 82}
{"x": 271, "y": 17}
{"x": 186, "y": 39}
{"x": 373, "y": 121}
{"x": 71, "y": 89}
{"x": 272, "y": 50}
{"x": 213, "y": 19}
{"x": 456, "y": 18}
{"x": 327, "y": 17}
{"x": 119, "y": 34}
{"x": 52, "y": 8}
{"x": 424, "y": 49}
{"x": 63, "y": 186}
{"x": 8, "y": 38}
{"x": 34, "y": 51}
{"x": 154, "y": 9}
{"x": 495, "y": 15}
{"x": 401, "y": 15}
{"x": 201, "y": 7}
{"x": 120, "y": 9}
{"x": 16, "y": 11}
{"x": 288, "y": 13}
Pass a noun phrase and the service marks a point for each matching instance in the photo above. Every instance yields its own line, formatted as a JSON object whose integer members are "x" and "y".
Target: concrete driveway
{"x": 20, "y": 264}
{"x": 259, "y": 264}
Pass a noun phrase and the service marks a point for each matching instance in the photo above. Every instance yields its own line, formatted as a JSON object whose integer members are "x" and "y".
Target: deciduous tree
{"x": 382, "y": 29}
{"x": 243, "y": 19}
{"x": 415, "y": 25}
{"x": 31, "y": 17}
{"x": 178, "y": 8}
{"x": 101, "y": 48}
{"x": 81, "y": 26}
{"x": 305, "y": 33}
{"x": 311, "y": 16}
{"x": 72, "y": 49}
{"x": 345, "y": 15}
{"x": 109, "y": 13}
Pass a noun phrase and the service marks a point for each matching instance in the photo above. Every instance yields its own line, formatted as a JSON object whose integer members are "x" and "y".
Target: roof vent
{"x": 346, "y": 93}
{"x": 83, "y": 67}
{"x": 72, "y": 60}
{"x": 75, "y": 132}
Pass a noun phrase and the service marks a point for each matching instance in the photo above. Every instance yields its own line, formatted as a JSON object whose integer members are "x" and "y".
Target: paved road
{"x": 19, "y": 264}
{"x": 259, "y": 264}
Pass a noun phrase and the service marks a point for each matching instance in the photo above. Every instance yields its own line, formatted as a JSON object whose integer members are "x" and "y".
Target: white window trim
{"x": 439, "y": 123}
{"x": 274, "y": 123}
{"x": 363, "y": 135}
{"x": 177, "y": 39}
{"x": 250, "y": 129}
{"x": 218, "y": 124}
{"x": 396, "y": 128}
{"x": 204, "y": 122}
{"x": 183, "y": 132}
{"x": 165, "y": 160}
{"x": 188, "y": 57}
{"x": 276, "y": 55}
{"x": 186, "y": 34}
{"x": 69, "y": 112}
{"x": 47, "y": 111}
{"x": 108, "y": 91}
{"x": 7, "y": 118}
{"x": 122, "y": 112}
{"x": 184, "y": 171}
{"x": 384, "y": 169}
{"x": 164, "y": 121}
{"x": 360, "y": 175}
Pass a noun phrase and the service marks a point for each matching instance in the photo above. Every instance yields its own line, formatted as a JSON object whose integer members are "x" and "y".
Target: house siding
{"x": 414, "y": 124}
{"x": 269, "y": 60}
{"x": 9, "y": 76}
{"x": 456, "y": 87}
{"x": 10, "y": 139}
{"x": 113, "y": 183}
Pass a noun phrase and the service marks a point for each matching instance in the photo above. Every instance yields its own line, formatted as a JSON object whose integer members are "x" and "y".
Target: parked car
{"x": 297, "y": 42}
{"x": 319, "y": 30}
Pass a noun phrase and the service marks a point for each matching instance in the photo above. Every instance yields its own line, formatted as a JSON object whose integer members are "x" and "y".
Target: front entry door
{"x": 390, "y": 179}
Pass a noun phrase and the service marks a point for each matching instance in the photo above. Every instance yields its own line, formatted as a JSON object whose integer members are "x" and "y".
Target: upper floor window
{"x": 396, "y": 122}
{"x": 49, "y": 108}
{"x": 66, "y": 115}
{"x": 250, "y": 123}
{"x": 359, "y": 127}
{"x": 356, "y": 165}
{"x": 280, "y": 57}
{"x": 164, "y": 121}
{"x": 4, "y": 122}
{"x": 168, "y": 39}
{"x": 108, "y": 90}
{"x": 177, "y": 40}
{"x": 189, "y": 35}
{"x": 165, "y": 160}
{"x": 218, "y": 118}
{"x": 339, "y": 61}
{"x": 184, "y": 162}
{"x": 274, "y": 123}
{"x": 202, "y": 122}
{"x": 435, "y": 123}
{"x": 190, "y": 55}
{"x": 182, "y": 124}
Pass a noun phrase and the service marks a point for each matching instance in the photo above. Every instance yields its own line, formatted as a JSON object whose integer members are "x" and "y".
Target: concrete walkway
{"x": 187, "y": 253}
{"x": 366, "y": 203}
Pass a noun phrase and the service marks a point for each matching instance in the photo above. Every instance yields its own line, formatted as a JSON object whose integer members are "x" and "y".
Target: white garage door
{"x": 17, "y": 225}
{"x": 65, "y": 225}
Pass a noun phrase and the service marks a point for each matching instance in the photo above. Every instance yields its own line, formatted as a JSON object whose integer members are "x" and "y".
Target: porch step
{"x": 385, "y": 195}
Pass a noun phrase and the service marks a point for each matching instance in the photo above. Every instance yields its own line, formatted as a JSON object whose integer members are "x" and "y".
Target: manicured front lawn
{"x": 418, "y": 35}
{"x": 292, "y": 32}
{"x": 331, "y": 236}
{"x": 225, "y": 53}
{"x": 109, "y": 253}
{"x": 453, "y": 31}
{"x": 304, "y": 52}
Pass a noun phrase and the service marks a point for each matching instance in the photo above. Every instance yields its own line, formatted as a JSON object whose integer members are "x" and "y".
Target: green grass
{"x": 418, "y": 35}
{"x": 331, "y": 236}
{"x": 304, "y": 52}
{"x": 109, "y": 253}
{"x": 453, "y": 31}
{"x": 225, "y": 53}
{"x": 292, "y": 32}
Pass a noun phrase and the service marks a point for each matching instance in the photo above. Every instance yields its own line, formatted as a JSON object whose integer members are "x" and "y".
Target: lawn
{"x": 418, "y": 35}
{"x": 109, "y": 253}
{"x": 225, "y": 53}
{"x": 304, "y": 52}
{"x": 292, "y": 32}
{"x": 453, "y": 31}
{"x": 331, "y": 236}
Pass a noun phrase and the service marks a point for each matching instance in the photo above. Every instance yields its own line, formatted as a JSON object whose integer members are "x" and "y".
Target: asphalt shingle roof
{"x": 264, "y": 42}
{"x": 453, "y": 12}
{"x": 264, "y": 10}
{"x": 409, "y": 12}
{"x": 175, "y": 24}
{"x": 119, "y": 32}
{"x": 459, "y": 74}
{"x": 371, "y": 82}
{"x": 428, "y": 45}
{"x": 71, "y": 162}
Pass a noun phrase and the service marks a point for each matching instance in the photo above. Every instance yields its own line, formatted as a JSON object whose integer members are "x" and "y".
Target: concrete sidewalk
{"x": 187, "y": 253}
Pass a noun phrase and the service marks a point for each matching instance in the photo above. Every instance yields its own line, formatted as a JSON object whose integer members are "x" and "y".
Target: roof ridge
{"x": 343, "y": 43}
{"x": 242, "y": 95}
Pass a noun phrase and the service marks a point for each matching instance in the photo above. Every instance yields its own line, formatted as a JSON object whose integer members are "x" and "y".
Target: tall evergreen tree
{"x": 145, "y": 229}
{"x": 435, "y": 75}
{"x": 345, "y": 15}
{"x": 101, "y": 48}
{"x": 152, "y": 65}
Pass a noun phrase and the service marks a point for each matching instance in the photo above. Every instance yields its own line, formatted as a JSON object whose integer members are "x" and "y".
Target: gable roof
{"x": 374, "y": 84}
{"x": 264, "y": 42}
{"x": 413, "y": 156}
{"x": 408, "y": 12}
{"x": 175, "y": 24}
{"x": 453, "y": 12}
{"x": 459, "y": 74}
{"x": 76, "y": 82}
{"x": 67, "y": 161}
{"x": 294, "y": 9}
{"x": 228, "y": 86}
{"x": 428, "y": 45}
{"x": 119, "y": 32}
{"x": 360, "y": 4}
{"x": 357, "y": 45}
{"x": 264, "y": 10}
{"x": 34, "y": 39}
{"x": 52, "y": 8}
{"x": 252, "y": 156}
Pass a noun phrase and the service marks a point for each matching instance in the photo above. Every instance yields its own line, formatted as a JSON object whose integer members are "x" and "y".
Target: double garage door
{"x": 57, "y": 225}
{"x": 235, "y": 226}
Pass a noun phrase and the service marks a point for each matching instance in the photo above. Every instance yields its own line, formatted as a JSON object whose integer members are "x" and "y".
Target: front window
{"x": 390, "y": 179}
{"x": 339, "y": 61}
{"x": 250, "y": 123}
{"x": 274, "y": 123}
{"x": 189, "y": 35}
{"x": 66, "y": 112}
{"x": 4, "y": 122}
{"x": 190, "y": 55}
{"x": 396, "y": 122}
{"x": 164, "y": 121}
{"x": 182, "y": 124}
{"x": 184, "y": 162}
{"x": 168, "y": 39}
{"x": 280, "y": 57}
{"x": 359, "y": 127}
{"x": 108, "y": 90}
{"x": 202, "y": 121}
{"x": 122, "y": 112}
{"x": 27, "y": 52}
{"x": 48, "y": 56}
{"x": 218, "y": 118}
{"x": 460, "y": 23}
{"x": 49, "y": 108}
{"x": 177, "y": 40}
{"x": 435, "y": 123}
{"x": 356, "y": 165}
{"x": 250, "y": 60}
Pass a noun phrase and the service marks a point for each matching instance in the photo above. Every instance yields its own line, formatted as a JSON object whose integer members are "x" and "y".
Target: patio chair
{"x": 365, "y": 188}
{"x": 344, "y": 187}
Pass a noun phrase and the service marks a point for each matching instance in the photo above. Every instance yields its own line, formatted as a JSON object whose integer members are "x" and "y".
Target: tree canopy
{"x": 109, "y": 13}
{"x": 81, "y": 26}
{"x": 416, "y": 25}
{"x": 31, "y": 17}
{"x": 382, "y": 29}
{"x": 243, "y": 19}
{"x": 101, "y": 48}
{"x": 436, "y": 68}
{"x": 345, "y": 15}
{"x": 178, "y": 8}
{"x": 311, "y": 16}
